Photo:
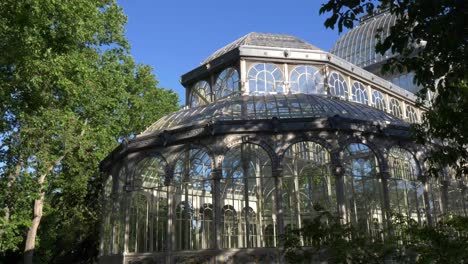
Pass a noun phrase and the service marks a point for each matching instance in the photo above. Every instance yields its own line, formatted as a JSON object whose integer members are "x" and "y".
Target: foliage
{"x": 404, "y": 241}
{"x": 430, "y": 39}
{"x": 70, "y": 91}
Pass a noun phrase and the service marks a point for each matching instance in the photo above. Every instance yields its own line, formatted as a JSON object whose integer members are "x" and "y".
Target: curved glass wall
{"x": 359, "y": 93}
{"x": 306, "y": 79}
{"x": 405, "y": 190}
{"x": 358, "y": 45}
{"x": 200, "y": 94}
{"x": 148, "y": 207}
{"x": 265, "y": 78}
{"x": 338, "y": 85}
{"x": 307, "y": 182}
{"x": 248, "y": 199}
{"x": 227, "y": 83}
{"x": 193, "y": 201}
{"x": 363, "y": 188}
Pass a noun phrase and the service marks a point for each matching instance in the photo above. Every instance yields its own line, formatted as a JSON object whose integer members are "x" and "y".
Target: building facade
{"x": 272, "y": 127}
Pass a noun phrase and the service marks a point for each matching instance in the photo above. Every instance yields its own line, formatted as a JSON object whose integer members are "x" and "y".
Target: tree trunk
{"x": 38, "y": 206}
{"x": 31, "y": 237}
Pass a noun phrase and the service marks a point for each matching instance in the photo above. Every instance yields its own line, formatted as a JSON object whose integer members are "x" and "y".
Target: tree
{"x": 431, "y": 40}
{"x": 70, "y": 91}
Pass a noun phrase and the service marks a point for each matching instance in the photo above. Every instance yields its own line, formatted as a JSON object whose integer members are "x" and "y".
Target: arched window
{"x": 337, "y": 85}
{"x": 395, "y": 108}
{"x": 200, "y": 94}
{"x": 359, "y": 93}
{"x": 148, "y": 220}
{"x": 194, "y": 226}
{"x": 411, "y": 115}
{"x": 247, "y": 182}
{"x": 378, "y": 100}
{"x": 307, "y": 80}
{"x": 230, "y": 227}
{"x": 265, "y": 78}
{"x": 363, "y": 188}
{"x": 307, "y": 183}
{"x": 227, "y": 83}
{"x": 405, "y": 191}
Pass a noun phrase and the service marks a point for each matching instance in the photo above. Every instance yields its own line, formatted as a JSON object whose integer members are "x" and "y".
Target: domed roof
{"x": 269, "y": 106}
{"x": 263, "y": 40}
{"x": 358, "y": 45}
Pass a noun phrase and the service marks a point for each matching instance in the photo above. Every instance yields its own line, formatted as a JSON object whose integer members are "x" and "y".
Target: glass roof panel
{"x": 269, "y": 106}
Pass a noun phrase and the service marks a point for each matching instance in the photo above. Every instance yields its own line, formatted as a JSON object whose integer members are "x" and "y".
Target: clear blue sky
{"x": 175, "y": 36}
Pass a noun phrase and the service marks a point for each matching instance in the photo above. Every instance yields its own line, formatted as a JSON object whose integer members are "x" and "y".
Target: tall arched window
{"x": 307, "y": 183}
{"x": 265, "y": 78}
{"x": 359, "y": 93}
{"x": 200, "y": 94}
{"x": 194, "y": 218}
{"x": 247, "y": 183}
{"x": 307, "y": 80}
{"x": 363, "y": 188}
{"x": 230, "y": 227}
{"x": 148, "y": 220}
{"x": 378, "y": 100}
{"x": 227, "y": 83}
{"x": 405, "y": 190}
{"x": 411, "y": 115}
{"x": 337, "y": 85}
{"x": 395, "y": 108}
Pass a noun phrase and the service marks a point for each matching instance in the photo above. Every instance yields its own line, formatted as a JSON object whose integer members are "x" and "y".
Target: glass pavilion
{"x": 273, "y": 126}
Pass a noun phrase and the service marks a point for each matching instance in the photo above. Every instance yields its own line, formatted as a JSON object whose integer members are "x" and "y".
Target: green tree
{"x": 431, "y": 40}
{"x": 69, "y": 91}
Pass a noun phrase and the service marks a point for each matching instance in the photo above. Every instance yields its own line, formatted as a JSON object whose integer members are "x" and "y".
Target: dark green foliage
{"x": 431, "y": 38}
{"x": 405, "y": 241}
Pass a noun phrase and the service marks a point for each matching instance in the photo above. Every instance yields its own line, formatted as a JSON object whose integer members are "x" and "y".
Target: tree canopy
{"x": 431, "y": 40}
{"x": 70, "y": 90}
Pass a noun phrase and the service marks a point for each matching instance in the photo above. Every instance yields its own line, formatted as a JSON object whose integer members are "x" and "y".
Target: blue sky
{"x": 175, "y": 36}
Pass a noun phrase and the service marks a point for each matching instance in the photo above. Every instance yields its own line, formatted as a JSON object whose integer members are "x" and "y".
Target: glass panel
{"x": 307, "y": 80}
{"x": 359, "y": 93}
{"x": 265, "y": 78}
{"x": 411, "y": 115}
{"x": 148, "y": 207}
{"x": 405, "y": 191}
{"x": 363, "y": 189}
{"x": 227, "y": 83}
{"x": 378, "y": 100}
{"x": 248, "y": 195}
{"x": 337, "y": 85}
{"x": 395, "y": 108}
{"x": 193, "y": 201}
{"x": 307, "y": 183}
{"x": 200, "y": 94}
